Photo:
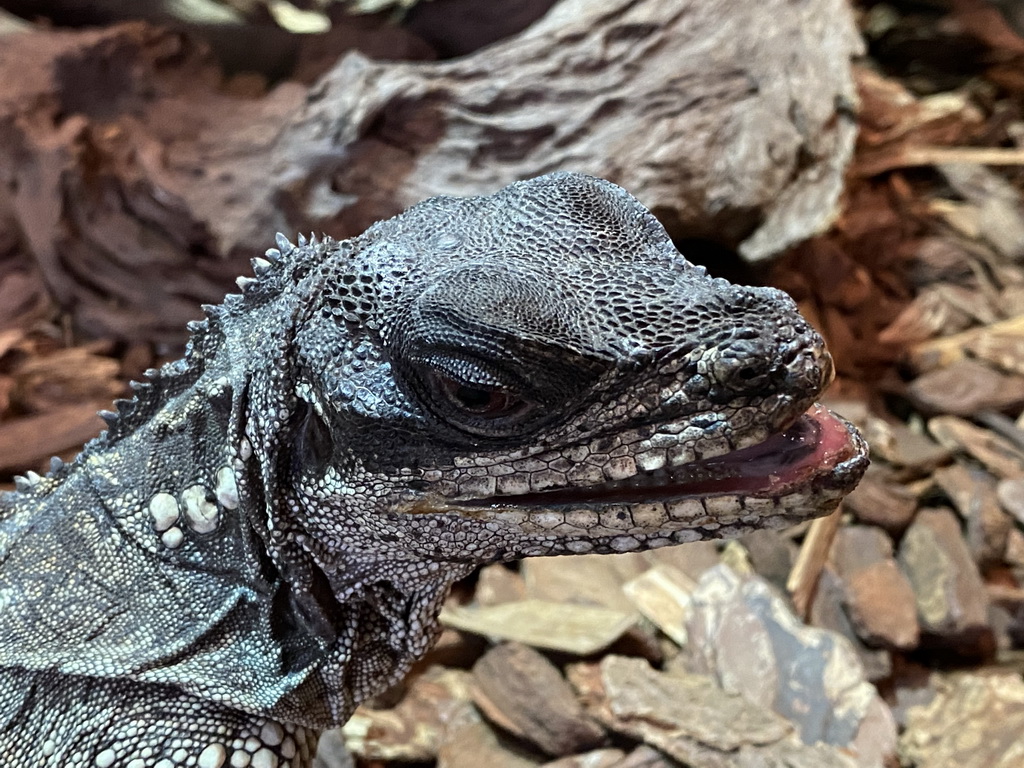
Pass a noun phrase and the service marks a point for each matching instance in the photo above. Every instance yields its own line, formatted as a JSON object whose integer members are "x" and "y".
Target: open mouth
{"x": 813, "y": 447}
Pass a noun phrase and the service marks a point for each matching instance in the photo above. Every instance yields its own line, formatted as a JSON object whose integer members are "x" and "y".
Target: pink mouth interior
{"x": 814, "y": 444}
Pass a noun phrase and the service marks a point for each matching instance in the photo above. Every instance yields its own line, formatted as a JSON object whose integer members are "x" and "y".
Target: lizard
{"x": 263, "y": 536}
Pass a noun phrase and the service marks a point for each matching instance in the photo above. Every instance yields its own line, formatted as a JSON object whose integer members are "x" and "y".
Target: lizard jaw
{"x": 816, "y": 447}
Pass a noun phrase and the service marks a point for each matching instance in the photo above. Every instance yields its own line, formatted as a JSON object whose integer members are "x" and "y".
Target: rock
{"x": 973, "y": 493}
{"x": 940, "y": 260}
{"x": 1015, "y": 554}
{"x": 975, "y": 721}
{"x": 859, "y": 546}
{"x": 966, "y": 387}
{"x": 628, "y": 583}
{"x": 745, "y": 636}
{"x": 584, "y": 579}
{"x": 646, "y": 757}
{"x": 690, "y": 559}
{"x": 914, "y": 454}
{"x": 952, "y": 604}
{"x": 828, "y": 611}
{"x": 771, "y": 555}
{"x": 878, "y": 597}
{"x": 577, "y": 629}
{"x": 911, "y": 687}
{"x": 596, "y": 758}
{"x": 498, "y": 584}
{"x": 414, "y": 729}
{"x": 880, "y": 501}
{"x": 11, "y": 24}
{"x": 736, "y": 557}
{"x": 1010, "y": 493}
{"x": 1005, "y": 622}
{"x": 1000, "y": 219}
{"x": 691, "y": 719}
{"x": 523, "y": 693}
{"x": 933, "y": 312}
{"x": 998, "y": 454}
{"x": 474, "y": 745}
{"x": 881, "y": 606}
{"x": 999, "y": 343}
{"x": 663, "y": 596}
{"x": 454, "y": 649}
{"x": 594, "y": 580}
{"x": 331, "y": 751}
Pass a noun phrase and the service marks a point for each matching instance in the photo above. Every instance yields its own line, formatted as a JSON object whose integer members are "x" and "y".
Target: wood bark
{"x": 138, "y": 181}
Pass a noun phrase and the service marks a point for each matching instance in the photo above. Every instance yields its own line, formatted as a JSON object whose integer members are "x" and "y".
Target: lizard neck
{"x": 187, "y": 588}
{"x": 383, "y": 628}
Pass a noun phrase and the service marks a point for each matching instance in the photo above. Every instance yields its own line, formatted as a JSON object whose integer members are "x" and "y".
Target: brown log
{"x": 140, "y": 185}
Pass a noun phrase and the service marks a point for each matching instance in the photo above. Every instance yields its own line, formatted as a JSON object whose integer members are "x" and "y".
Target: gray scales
{"x": 265, "y": 533}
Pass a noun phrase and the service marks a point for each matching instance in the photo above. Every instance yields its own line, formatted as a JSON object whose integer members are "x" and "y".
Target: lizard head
{"x": 540, "y": 371}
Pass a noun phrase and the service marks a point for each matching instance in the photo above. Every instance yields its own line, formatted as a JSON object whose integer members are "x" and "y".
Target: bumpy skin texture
{"x": 264, "y": 535}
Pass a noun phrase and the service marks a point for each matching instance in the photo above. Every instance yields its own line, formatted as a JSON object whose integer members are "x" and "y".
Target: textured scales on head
{"x": 270, "y": 525}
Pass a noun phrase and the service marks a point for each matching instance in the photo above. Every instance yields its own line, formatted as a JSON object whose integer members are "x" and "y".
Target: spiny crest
{"x": 27, "y": 482}
{"x": 33, "y": 482}
{"x": 270, "y": 269}
{"x": 265, "y": 267}
{"x": 204, "y": 337}
{"x": 174, "y": 377}
{"x": 149, "y": 396}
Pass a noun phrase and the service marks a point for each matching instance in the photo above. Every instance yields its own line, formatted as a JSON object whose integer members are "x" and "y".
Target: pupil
{"x": 473, "y": 398}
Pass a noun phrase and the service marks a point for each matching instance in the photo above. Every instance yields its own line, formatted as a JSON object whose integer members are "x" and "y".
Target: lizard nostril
{"x": 747, "y": 372}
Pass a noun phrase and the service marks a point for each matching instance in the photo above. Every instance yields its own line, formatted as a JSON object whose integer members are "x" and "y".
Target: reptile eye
{"x": 480, "y": 401}
{"x": 474, "y": 396}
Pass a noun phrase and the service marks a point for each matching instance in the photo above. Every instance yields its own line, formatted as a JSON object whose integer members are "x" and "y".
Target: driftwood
{"x": 138, "y": 181}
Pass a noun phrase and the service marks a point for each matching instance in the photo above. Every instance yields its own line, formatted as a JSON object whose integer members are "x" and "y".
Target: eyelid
{"x": 466, "y": 372}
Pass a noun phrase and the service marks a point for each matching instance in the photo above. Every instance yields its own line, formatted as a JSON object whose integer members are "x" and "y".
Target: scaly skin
{"x": 263, "y": 537}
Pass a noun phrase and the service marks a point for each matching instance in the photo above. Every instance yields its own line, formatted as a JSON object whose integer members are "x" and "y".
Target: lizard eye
{"x": 474, "y": 399}
{"x": 481, "y": 401}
